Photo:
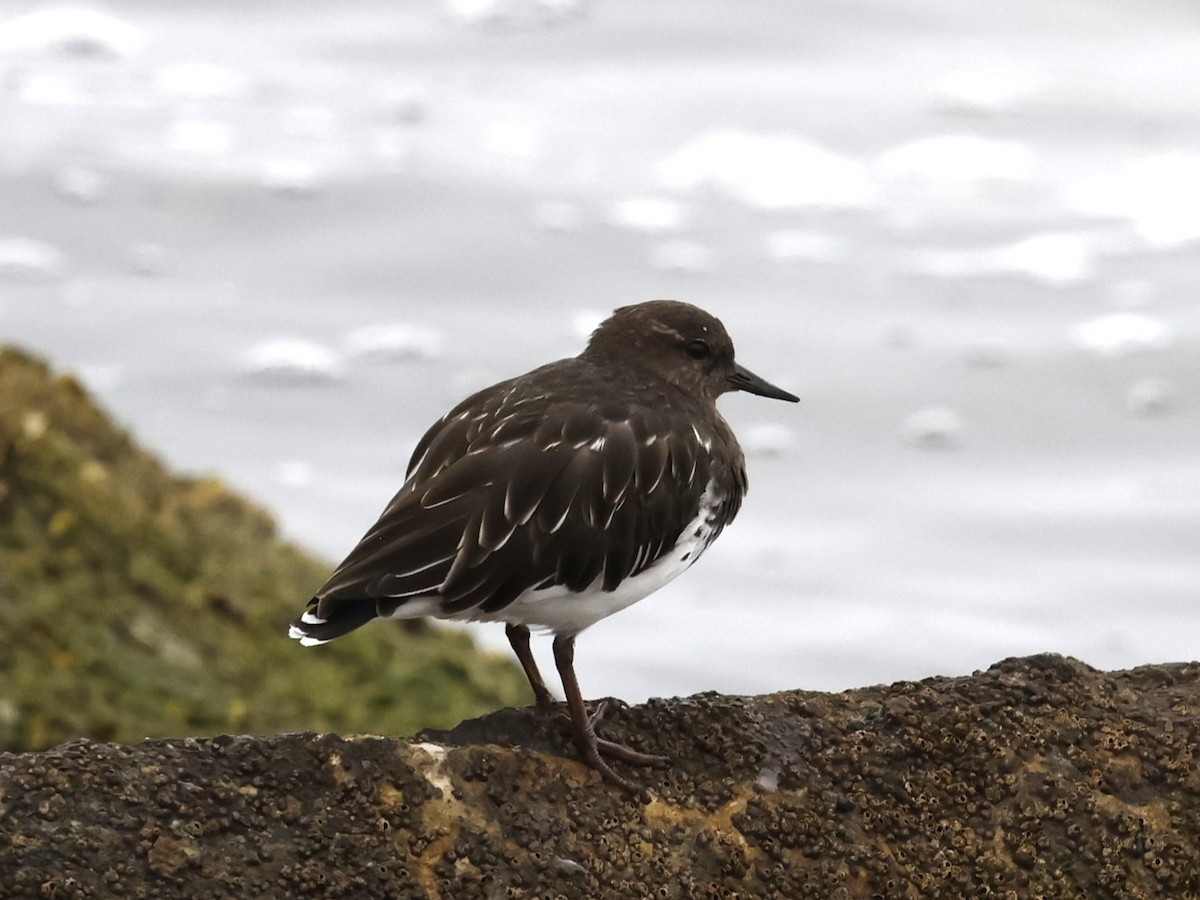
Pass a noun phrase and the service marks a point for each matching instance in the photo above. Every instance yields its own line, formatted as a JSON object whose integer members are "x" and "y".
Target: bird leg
{"x": 591, "y": 747}
{"x": 518, "y": 637}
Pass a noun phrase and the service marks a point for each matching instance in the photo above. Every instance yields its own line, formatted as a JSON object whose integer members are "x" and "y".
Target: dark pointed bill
{"x": 743, "y": 379}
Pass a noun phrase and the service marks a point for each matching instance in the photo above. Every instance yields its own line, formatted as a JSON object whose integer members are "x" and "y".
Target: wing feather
{"x": 529, "y": 479}
{"x": 559, "y": 497}
{"x": 652, "y": 460}
{"x": 619, "y": 461}
{"x": 462, "y": 477}
{"x": 495, "y": 528}
{"x": 504, "y": 495}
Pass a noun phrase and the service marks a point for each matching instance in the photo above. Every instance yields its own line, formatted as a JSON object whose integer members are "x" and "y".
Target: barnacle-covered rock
{"x": 1038, "y": 777}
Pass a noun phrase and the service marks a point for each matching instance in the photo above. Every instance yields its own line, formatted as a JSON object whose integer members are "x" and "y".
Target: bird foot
{"x": 593, "y": 756}
{"x": 612, "y": 749}
{"x": 598, "y": 708}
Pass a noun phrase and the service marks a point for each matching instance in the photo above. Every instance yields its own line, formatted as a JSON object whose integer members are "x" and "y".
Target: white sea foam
{"x": 311, "y": 120}
{"x": 1150, "y": 396}
{"x": 393, "y": 342}
{"x": 1159, "y": 195}
{"x": 984, "y": 91}
{"x": 26, "y": 259}
{"x": 513, "y": 141}
{"x": 934, "y": 428}
{"x": 200, "y": 137}
{"x": 70, "y": 28}
{"x": 147, "y": 258}
{"x": 49, "y": 89}
{"x": 1054, "y": 258}
{"x": 767, "y": 439}
{"x": 651, "y": 215}
{"x": 199, "y": 80}
{"x": 957, "y": 159}
{"x": 684, "y": 257}
{"x": 510, "y": 13}
{"x": 79, "y": 183}
{"x": 768, "y": 171}
{"x": 798, "y": 245}
{"x": 294, "y": 473}
{"x": 1118, "y": 333}
{"x": 561, "y": 216}
{"x": 291, "y": 360}
{"x": 297, "y": 177}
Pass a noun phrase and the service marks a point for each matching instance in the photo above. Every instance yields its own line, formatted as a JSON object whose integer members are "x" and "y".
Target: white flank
{"x": 562, "y": 611}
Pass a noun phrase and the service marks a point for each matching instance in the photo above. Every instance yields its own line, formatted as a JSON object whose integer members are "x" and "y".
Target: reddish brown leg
{"x": 590, "y": 746}
{"x": 518, "y": 637}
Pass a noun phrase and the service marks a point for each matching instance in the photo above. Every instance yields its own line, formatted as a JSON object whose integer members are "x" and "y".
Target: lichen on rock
{"x": 136, "y": 602}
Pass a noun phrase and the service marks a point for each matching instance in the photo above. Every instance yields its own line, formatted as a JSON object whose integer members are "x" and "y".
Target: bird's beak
{"x": 743, "y": 379}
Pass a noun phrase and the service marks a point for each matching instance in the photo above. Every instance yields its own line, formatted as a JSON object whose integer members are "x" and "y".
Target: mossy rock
{"x": 136, "y": 603}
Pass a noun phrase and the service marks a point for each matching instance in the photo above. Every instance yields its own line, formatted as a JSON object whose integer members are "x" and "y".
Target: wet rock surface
{"x": 1038, "y": 777}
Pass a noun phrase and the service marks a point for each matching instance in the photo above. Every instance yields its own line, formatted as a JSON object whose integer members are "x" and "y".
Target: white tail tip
{"x": 305, "y": 640}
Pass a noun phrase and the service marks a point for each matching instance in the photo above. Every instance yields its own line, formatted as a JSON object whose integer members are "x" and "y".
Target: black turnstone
{"x": 559, "y": 497}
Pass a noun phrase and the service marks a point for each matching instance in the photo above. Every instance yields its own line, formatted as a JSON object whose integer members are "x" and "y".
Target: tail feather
{"x": 311, "y": 630}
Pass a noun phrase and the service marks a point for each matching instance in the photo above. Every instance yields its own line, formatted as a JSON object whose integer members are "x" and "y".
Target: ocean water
{"x": 278, "y": 240}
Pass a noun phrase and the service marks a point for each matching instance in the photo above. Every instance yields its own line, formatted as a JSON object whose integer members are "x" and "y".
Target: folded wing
{"x": 505, "y": 497}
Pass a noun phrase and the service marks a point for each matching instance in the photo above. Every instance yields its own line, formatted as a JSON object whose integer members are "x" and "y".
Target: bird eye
{"x": 699, "y": 350}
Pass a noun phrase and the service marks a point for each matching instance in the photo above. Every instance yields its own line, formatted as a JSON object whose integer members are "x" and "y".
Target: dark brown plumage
{"x": 558, "y": 497}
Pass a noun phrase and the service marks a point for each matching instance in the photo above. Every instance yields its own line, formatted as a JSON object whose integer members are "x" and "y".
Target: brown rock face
{"x": 1039, "y": 777}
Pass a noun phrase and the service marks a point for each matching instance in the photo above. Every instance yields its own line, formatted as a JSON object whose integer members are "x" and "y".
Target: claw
{"x": 592, "y": 748}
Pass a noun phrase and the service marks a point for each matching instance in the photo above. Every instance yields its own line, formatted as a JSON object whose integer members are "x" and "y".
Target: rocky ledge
{"x": 1038, "y": 777}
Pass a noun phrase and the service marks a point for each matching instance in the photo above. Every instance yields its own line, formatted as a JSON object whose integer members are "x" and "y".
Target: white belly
{"x": 563, "y": 611}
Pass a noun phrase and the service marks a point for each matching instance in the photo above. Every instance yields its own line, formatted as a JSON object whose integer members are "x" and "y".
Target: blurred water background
{"x": 280, "y": 238}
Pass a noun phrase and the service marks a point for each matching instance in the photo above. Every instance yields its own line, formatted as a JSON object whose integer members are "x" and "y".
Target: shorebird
{"x": 557, "y": 498}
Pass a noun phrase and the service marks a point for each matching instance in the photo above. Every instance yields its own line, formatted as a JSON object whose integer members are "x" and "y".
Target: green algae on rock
{"x": 137, "y": 603}
{"x": 1040, "y": 777}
